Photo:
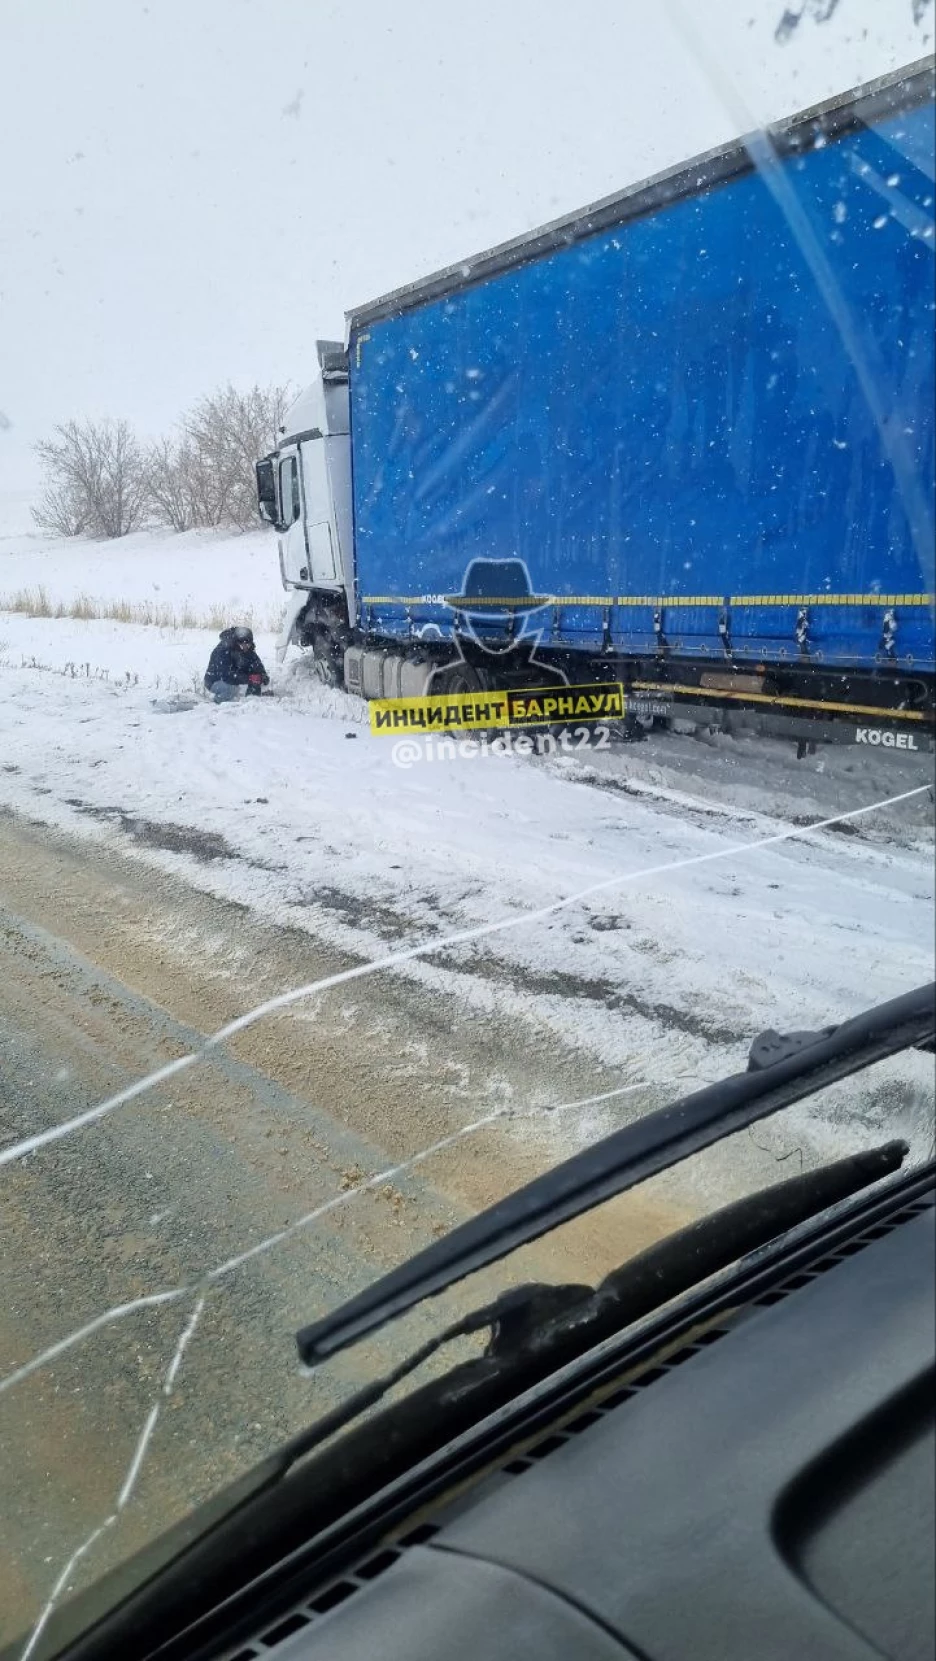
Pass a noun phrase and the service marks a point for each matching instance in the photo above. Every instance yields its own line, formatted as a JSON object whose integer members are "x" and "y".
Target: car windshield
{"x": 466, "y": 670}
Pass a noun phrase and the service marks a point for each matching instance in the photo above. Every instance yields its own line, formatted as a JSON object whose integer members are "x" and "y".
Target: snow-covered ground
{"x": 196, "y": 572}
{"x": 288, "y": 804}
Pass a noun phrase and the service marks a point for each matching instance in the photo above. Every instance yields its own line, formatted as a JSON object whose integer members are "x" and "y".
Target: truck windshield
{"x": 467, "y": 670}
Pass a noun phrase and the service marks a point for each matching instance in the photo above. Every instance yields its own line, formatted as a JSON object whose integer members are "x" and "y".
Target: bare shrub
{"x": 96, "y": 480}
{"x": 222, "y": 436}
{"x": 62, "y": 510}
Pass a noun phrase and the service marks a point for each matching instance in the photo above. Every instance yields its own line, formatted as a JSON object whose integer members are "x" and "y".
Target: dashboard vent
{"x": 329, "y": 1596}
{"x": 609, "y": 1404}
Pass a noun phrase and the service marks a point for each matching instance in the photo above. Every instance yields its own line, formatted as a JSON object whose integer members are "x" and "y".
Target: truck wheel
{"x": 327, "y": 670}
{"x": 458, "y": 680}
{"x": 325, "y": 666}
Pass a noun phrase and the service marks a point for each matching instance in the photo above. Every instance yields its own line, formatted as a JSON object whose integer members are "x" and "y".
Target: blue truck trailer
{"x": 683, "y": 439}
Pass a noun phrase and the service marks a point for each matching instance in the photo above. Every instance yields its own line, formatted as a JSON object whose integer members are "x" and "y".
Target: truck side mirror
{"x": 266, "y": 492}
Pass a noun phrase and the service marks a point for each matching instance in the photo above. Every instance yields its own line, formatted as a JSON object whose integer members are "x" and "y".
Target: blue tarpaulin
{"x": 666, "y": 414}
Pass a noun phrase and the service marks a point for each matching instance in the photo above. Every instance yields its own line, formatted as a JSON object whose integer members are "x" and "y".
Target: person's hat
{"x": 243, "y": 636}
{"x": 492, "y": 585}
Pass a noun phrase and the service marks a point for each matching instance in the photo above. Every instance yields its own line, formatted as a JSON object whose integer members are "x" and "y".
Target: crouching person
{"x": 234, "y": 664}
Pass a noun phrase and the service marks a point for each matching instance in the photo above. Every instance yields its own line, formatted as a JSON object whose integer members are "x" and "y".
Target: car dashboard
{"x": 760, "y": 1488}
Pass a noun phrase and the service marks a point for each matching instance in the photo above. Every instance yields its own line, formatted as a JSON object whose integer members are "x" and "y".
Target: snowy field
{"x": 196, "y": 573}
{"x": 287, "y": 804}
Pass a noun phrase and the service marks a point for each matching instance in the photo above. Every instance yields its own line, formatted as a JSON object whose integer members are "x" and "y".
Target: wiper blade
{"x": 525, "y": 1319}
{"x": 627, "y": 1157}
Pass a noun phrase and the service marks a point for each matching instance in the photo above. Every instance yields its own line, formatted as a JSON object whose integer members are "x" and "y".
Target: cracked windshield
{"x": 466, "y": 671}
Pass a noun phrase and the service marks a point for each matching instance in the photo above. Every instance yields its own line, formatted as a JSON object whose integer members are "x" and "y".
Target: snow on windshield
{"x": 285, "y": 996}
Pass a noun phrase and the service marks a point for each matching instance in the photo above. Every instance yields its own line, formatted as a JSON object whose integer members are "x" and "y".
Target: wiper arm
{"x": 807, "y": 1063}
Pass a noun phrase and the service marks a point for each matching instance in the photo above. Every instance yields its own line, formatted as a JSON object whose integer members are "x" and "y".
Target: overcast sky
{"x": 193, "y": 190}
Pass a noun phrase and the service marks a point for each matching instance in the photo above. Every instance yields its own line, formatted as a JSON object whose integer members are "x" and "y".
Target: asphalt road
{"x": 107, "y": 971}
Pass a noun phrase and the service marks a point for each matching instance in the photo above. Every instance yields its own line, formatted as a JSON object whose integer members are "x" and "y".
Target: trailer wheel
{"x": 630, "y": 730}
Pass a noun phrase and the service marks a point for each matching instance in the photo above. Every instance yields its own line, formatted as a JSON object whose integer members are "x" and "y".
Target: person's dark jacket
{"x": 237, "y": 668}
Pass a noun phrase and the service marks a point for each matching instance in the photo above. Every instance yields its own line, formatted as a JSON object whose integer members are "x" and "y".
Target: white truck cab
{"x": 304, "y": 486}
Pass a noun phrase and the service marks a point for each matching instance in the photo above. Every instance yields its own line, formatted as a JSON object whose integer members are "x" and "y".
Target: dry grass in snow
{"x": 35, "y": 602}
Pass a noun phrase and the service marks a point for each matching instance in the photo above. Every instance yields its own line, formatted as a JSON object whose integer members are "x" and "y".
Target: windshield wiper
{"x": 806, "y": 1062}
{"x": 526, "y": 1322}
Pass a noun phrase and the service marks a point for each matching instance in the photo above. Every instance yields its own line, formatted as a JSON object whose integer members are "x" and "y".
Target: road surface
{"x": 109, "y": 969}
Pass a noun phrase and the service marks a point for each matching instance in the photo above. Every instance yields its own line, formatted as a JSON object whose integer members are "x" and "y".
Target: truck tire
{"x": 458, "y": 679}
{"x": 463, "y": 680}
{"x": 327, "y": 669}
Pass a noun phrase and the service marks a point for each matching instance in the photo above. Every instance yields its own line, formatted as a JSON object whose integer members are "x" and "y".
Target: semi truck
{"x": 682, "y": 439}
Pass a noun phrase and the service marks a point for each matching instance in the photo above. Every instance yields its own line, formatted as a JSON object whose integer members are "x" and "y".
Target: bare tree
{"x": 99, "y": 482}
{"x": 170, "y": 483}
{"x": 96, "y": 480}
{"x": 62, "y": 510}
{"x": 186, "y": 483}
{"x": 222, "y": 437}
